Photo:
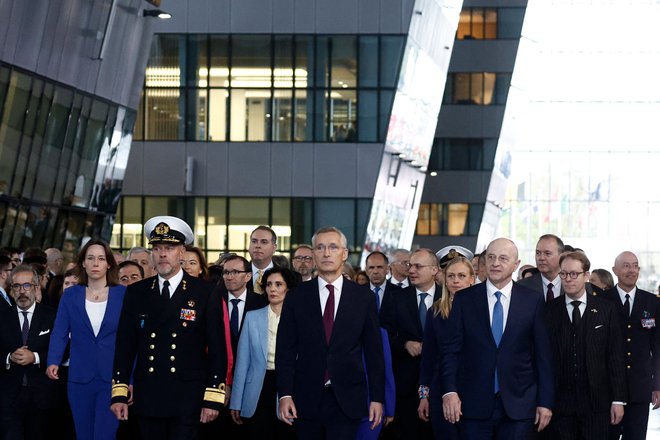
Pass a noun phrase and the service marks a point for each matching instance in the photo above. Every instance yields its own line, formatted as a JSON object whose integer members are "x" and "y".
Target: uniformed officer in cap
{"x": 448, "y": 253}
{"x": 170, "y": 343}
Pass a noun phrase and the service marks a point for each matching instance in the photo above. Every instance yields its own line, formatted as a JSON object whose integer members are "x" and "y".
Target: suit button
{"x": 173, "y": 370}
{"x": 152, "y": 346}
{"x": 628, "y": 366}
{"x": 629, "y": 326}
{"x": 629, "y": 354}
{"x": 628, "y": 339}
{"x": 173, "y": 346}
{"x": 151, "y": 369}
{"x": 172, "y": 358}
{"x": 153, "y": 335}
{"x": 151, "y": 358}
{"x": 174, "y": 335}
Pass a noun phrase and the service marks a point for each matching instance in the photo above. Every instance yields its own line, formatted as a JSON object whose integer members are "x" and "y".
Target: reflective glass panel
{"x": 250, "y": 115}
{"x": 219, "y": 99}
{"x": 251, "y": 61}
{"x": 164, "y": 117}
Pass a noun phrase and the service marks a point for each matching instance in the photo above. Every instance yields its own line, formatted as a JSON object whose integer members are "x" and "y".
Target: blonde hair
{"x": 443, "y": 305}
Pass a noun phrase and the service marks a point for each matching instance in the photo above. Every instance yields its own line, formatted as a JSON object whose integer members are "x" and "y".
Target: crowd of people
{"x": 418, "y": 344}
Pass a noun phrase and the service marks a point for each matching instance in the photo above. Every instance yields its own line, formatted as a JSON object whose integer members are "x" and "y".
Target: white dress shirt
{"x": 623, "y": 293}
{"x": 556, "y": 286}
{"x": 324, "y": 293}
{"x": 30, "y": 314}
{"x": 381, "y": 292}
{"x": 428, "y": 301}
{"x": 505, "y": 299}
{"x": 241, "y": 304}
{"x": 582, "y": 306}
{"x": 255, "y": 271}
{"x": 174, "y": 282}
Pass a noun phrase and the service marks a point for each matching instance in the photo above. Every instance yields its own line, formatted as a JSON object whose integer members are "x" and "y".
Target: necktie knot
{"x": 550, "y": 295}
{"x": 628, "y": 296}
{"x": 498, "y": 295}
{"x": 576, "y": 304}
{"x": 235, "y": 301}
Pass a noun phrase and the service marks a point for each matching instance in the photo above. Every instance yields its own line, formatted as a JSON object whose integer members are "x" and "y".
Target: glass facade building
{"x": 63, "y": 155}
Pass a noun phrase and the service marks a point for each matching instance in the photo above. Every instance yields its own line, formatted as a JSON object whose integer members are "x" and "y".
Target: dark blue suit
{"x": 523, "y": 358}
{"x": 303, "y": 356}
{"x": 90, "y": 367}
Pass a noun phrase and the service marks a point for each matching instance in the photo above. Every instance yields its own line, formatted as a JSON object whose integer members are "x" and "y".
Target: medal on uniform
{"x": 188, "y": 314}
{"x": 191, "y": 303}
{"x": 647, "y": 321}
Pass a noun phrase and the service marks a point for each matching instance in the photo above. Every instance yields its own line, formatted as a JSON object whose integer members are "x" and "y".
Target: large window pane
{"x": 251, "y": 61}
{"x": 216, "y": 229}
{"x": 282, "y": 114}
{"x": 510, "y": 22}
{"x": 166, "y": 65}
{"x": 250, "y": 115}
{"x": 336, "y": 212}
{"x": 11, "y": 126}
{"x": 368, "y": 120}
{"x": 391, "y": 52}
{"x": 301, "y": 221}
{"x": 343, "y": 61}
{"x": 30, "y": 150}
{"x": 343, "y": 115}
{"x": 197, "y": 115}
{"x": 464, "y": 30}
{"x": 245, "y": 215}
{"x": 197, "y": 66}
{"x": 283, "y": 72}
{"x": 457, "y": 219}
{"x": 490, "y": 23}
{"x": 219, "y": 72}
{"x": 304, "y": 62}
{"x": 281, "y": 221}
{"x": 368, "y": 61}
{"x": 303, "y": 127}
{"x": 218, "y": 114}
{"x": 164, "y": 118}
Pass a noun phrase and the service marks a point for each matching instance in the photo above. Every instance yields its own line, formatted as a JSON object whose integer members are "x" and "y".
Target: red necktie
{"x": 550, "y": 295}
{"x": 328, "y": 322}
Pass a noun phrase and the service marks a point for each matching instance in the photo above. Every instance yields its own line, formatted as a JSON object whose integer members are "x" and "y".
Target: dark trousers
{"x": 634, "y": 424}
{"x": 21, "y": 419}
{"x": 169, "y": 428}
{"x": 587, "y": 426}
{"x": 264, "y": 423}
{"x": 499, "y": 426}
{"x": 407, "y": 424}
{"x": 442, "y": 429}
{"x": 333, "y": 424}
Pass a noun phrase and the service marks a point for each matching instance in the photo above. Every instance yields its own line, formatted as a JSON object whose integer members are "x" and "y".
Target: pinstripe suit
{"x": 583, "y": 404}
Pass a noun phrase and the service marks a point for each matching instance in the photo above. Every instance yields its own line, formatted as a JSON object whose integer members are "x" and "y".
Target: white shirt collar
{"x": 555, "y": 283}
{"x": 174, "y": 282}
{"x": 623, "y": 293}
{"x": 30, "y": 310}
{"x": 431, "y": 291}
{"x": 255, "y": 270}
{"x": 506, "y": 290}
{"x": 242, "y": 296}
{"x": 372, "y": 286}
{"x": 582, "y": 298}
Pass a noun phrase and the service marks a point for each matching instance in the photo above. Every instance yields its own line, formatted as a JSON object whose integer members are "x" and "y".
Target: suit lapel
{"x": 80, "y": 304}
{"x": 112, "y": 304}
{"x": 343, "y": 310}
{"x": 262, "y": 331}
{"x": 315, "y": 309}
{"x": 411, "y": 300}
{"x": 33, "y": 333}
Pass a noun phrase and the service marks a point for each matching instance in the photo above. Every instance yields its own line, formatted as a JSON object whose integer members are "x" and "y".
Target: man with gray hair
{"x": 142, "y": 256}
{"x": 54, "y": 262}
{"x": 399, "y": 259}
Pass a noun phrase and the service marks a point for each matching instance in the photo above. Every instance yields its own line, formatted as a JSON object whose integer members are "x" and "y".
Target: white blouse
{"x": 96, "y": 312}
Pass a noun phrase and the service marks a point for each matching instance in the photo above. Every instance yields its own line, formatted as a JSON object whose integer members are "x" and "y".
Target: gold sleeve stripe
{"x": 215, "y": 395}
{"x": 120, "y": 390}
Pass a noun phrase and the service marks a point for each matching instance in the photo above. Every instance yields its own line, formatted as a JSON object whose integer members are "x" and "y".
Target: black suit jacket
{"x": 38, "y": 339}
{"x": 253, "y": 301}
{"x": 303, "y": 356}
{"x": 406, "y": 327}
{"x": 174, "y": 350}
{"x": 4, "y": 305}
{"x": 642, "y": 344}
{"x": 387, "y": 312}
{"x": 603, "y": 354}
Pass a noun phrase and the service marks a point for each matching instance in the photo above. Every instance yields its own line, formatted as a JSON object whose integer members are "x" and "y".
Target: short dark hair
{"x": 289, "y": 278}
{"x": 5, "y": 262}
{"x": 246, "y": 264}
{"x": 202, "y": 261}
{"x": 374, "y": 253}
{"x": 577, "y": 256}
{"x": 112, "y": 276}
{"x": 560, "y": 243}
{"x": 267, "y": 229}
{"x": 126, "y": 263}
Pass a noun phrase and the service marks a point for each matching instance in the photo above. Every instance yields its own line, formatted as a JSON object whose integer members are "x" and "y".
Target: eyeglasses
{"x": 572, "y": 275}
{"x": 24, "y": 286}
{"x": 418, "y": 266}
{"x": 233, "y": 273}
{"x": 300, "y": 258}
{"x": 332, "y": 248}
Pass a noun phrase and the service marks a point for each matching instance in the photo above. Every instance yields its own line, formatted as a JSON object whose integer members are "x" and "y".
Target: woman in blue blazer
{"x": 458, "y": 274}
{"x": 88, "y": 314}
{"x": 254, "y": 392}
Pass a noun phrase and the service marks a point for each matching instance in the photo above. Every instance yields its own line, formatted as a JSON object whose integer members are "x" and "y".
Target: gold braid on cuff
{"x": 119, "y": 390}
{"x": 216, "y": 395}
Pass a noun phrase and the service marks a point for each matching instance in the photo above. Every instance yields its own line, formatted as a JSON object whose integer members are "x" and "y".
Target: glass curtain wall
{"x": 283, "y": 88}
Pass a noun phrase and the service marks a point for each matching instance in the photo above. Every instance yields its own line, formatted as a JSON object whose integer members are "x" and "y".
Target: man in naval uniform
{"x": 170, "y": 343}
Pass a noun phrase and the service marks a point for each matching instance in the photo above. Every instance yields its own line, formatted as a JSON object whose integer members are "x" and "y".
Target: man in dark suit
{"x": 399, "y": 259}
{"x": 170, "y": 341}
{"x": 590, "y": 379}
{"x": 6, "y": 302}
{"x": 376, "y": 268}
{"x": 27, "y": 394}
{"x": 638, "y": 314}
{"x": 548, "y": 249}
{"x": 328, "y": 331}
{"x": 406, "y": 335}
{"x": 496, "y": 370}
{"x": 263, "y": 244}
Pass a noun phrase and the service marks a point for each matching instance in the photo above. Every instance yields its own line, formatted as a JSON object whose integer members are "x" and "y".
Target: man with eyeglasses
{"x": 638, "y": 312}
{"x": 27, "y": 394}
{"x": 587, "y": 346}
{"x": 263, "y": 244}
{"x": 410, "y": 307}
{"x": 498, "y": 384}
{"x": 130, "y": 272}
{"x": 548, "y": 249}
{"x": 6, "y": 302}
{"x": 328, "y": 338}
{"x": 303, "y": 261}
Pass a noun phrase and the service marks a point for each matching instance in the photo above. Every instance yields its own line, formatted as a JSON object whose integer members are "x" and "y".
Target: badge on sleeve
{"x": 647, "y": 321}
{"x": 188, "y": 314}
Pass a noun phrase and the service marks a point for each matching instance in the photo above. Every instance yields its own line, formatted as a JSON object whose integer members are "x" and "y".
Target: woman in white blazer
{"x": 254, "y": 392}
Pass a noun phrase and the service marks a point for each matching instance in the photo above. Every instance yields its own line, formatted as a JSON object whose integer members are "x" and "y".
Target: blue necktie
{"x": 376, "y": 291}
{"x": 497, "y": 327}
{"x": 422, "y": 309}
{"x": 233, "y": 319}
